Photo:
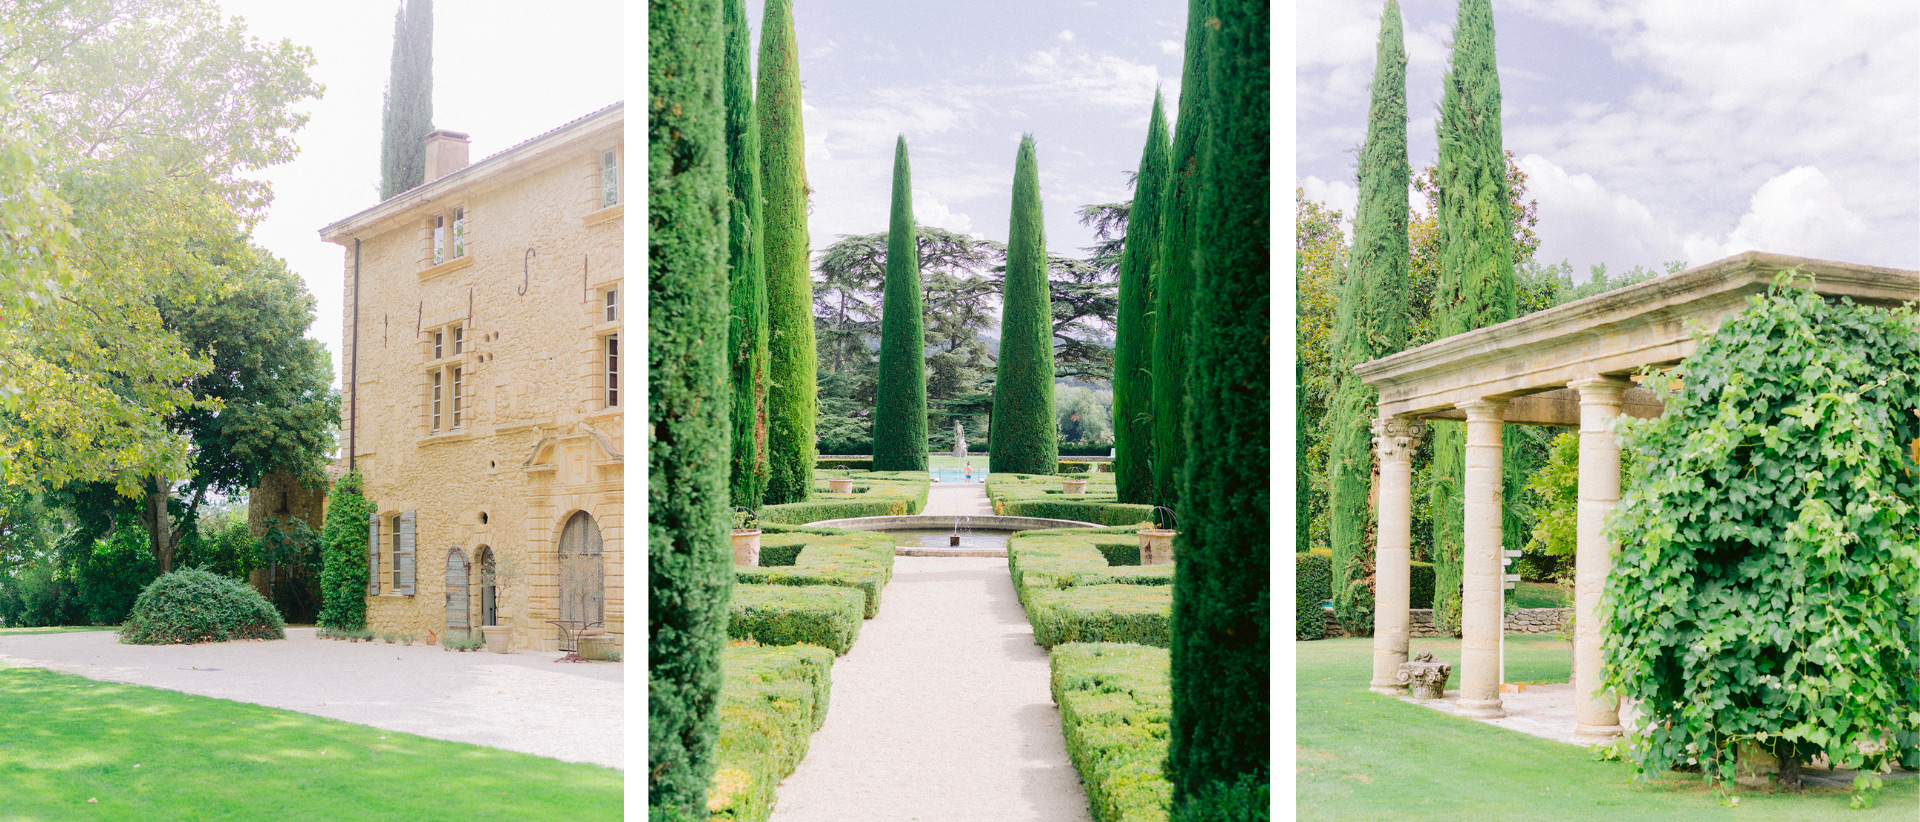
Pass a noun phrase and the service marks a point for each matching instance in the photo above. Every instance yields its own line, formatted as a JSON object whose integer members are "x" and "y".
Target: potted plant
{"x": 840, "y": 485}
{"x": 1073, "y": 486}
{"x": 1156, "y": 543}
{"x": 498, "y": 638}
{"x": 433, "y": 636}
{"x": 746, "y": 538}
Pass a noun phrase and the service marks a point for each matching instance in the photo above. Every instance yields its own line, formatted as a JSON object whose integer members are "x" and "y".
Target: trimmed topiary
{"x": 1133, "y": 334}
{"x": 194, "y": 605}
{"x": 1312, "y": 576}
{"x": 900, "y": 400}
{"x": 1025, "y": 436}
{"x": 792, "y": 400}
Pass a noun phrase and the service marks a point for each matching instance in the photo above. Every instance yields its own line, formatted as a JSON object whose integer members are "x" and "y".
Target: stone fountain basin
{"x": 937, "y": 525}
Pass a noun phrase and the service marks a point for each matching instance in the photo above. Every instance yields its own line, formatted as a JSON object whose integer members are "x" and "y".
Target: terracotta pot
{"x": 746, "y": 546}
{"x": 499, "y": 637}
{"x": 1156, "y": 545}
{"x": 1073, "y": 486}
{"x": 840, "y": 485}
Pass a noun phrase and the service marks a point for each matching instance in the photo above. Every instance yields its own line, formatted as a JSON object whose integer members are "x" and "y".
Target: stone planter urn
{"x": 746, "y": 546}
{"x": 840, "y": 485}
{"x": 1156, "y": 545}
{"x": 1425, "y": 678}
{"x": 1073, "y": 486}
{"x": 499, "y": 637}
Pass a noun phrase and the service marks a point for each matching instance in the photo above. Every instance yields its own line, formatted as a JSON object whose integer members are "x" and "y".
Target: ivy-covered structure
{"x": 1584, "y": 363}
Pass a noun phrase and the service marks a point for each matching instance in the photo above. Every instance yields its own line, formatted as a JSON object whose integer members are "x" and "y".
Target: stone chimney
{"x": 446, "y": 153}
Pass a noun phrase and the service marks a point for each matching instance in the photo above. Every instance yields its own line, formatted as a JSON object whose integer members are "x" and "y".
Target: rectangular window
{"x": 436, "y": 402}
{"x": 456, "y": 398}
{"x": 609, "y": 179}
{"x": 613, "y": 370}
{"x": 439, "y": 339}
{"x": 459, "y": 233}
{"x": 396, "y": 555}
{"x": 439, "y": 240}
{"x": 459, "y": 339}
{"x": 613, "y": 304}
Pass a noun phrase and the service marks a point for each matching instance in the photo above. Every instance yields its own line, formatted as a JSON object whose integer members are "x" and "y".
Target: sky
{"x": 962, "y": 82}
{"x": 1653, "y": 130}
{"x": 502, "y": 74}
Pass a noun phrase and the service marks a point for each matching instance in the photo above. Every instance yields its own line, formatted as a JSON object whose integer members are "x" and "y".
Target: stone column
{"x": 1393, "y": 441}
{"x": 1597, "y": 716}
{"x": 1481, "y": 618}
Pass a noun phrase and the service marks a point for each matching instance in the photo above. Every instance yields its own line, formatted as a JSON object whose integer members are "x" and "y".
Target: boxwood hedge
{"x": 1040, "y": 495}
{"x": 771, "y": 701}
{"x": 1312, "y": 580}
{"x": 825, "y": 615}
{"x": 1138, "y": 614}
{"x": 192, "y": 605}
{"x": 875, "y": 494}
{"x": 827, "y": 556}
{"x": 1114, "y": 707}
{"x": 1061, "y": 558}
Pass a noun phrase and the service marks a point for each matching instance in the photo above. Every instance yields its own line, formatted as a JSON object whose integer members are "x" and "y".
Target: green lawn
{"x": 62, "y": 629}
{"x": 1541, "y": 595}
{"x": 1361, "y": 756}
{"x": 147, "y": 753}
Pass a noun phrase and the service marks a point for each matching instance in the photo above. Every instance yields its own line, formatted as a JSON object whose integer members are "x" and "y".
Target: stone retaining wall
{"x": 1521, "y": 621}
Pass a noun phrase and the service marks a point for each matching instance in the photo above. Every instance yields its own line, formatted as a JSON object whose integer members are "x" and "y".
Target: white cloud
{"x": 1338, "y": 195}
{"x": 1171, "y": 49}
{"x": 1065, "y": 36}
{"x": 1103, "y": 80}
{"x": 1584, "y": 223}
{"x": 929, "y": 211}
{"x": 1798, "y": 212}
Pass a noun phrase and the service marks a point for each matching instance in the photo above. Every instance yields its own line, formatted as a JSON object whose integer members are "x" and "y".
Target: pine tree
{"x": 407, "y": 117}
{"x": 1023, "y": 438}
{"x": 1133, "y": 343}
{"x": 689, "y": 562}
{"x": 900, "y": 402}
{"x": 1173, "y": 269}
{"x": 793, "y": 400}
{"x": 1218, "y": 751}
{"x": 1476, "y": 286}
{"x": 747, "y": 328}
{"x": 1371, "y": 323}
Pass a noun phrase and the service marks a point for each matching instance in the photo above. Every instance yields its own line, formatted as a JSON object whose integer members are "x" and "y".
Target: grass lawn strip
{"x": 1362, "y": 756}
{"x": 1114, "y": 707}
{"x": 147, "y": 753}
{"x": 771, "y": 701}
{"x": 1040, "y": 495}
{"x": 825, "y": 615}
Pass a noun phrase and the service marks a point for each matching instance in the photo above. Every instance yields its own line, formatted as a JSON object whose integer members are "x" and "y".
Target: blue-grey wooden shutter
{"x": 373, "y": 554}
{"x": 404, "y": 558}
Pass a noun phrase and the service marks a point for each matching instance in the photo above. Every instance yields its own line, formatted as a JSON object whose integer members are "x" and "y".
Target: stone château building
{"x": 483, "y": 386}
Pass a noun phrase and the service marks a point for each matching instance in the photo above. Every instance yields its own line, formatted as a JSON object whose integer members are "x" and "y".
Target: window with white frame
{"x": 609, "y": 178}
{"x": 448, "y": 401}
{"x": 457, "y": 396}
{"x": 611, "y": 350}
{"x": 449, "y": 234}
{"x": 435, "y": 411}
{"x": 612, "y": 302}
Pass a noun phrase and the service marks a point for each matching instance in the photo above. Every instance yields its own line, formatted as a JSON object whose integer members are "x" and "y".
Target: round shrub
{"x": 193, "y": 605}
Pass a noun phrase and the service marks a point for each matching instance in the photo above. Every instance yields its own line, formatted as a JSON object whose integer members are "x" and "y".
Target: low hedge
{"x": 1421, "y": 585}
{"x": 1098, "y": 449}
{"x": 193, "y": 605}
{"x": 1038, "y": 495}
{"x": 1060, "y": 558}
{"x": 1139, "y": 614}
{"x": 771, "y": 701}
{"x": 1312, "y": 579}
{"x": 1115, "y": 704}
{"x": 875, "y": 494}
{"x": 1084, "y": 466}
{"x": 825, "y": 615}
{"x": 862, "y": 560}
{"x": 848, "y": 463}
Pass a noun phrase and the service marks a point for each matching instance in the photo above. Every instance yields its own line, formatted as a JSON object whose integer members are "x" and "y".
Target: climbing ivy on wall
{"x": 1767, "y": 585}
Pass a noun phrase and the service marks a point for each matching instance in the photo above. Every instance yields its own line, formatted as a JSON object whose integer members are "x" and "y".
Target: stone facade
{"x": 484, "y": 385}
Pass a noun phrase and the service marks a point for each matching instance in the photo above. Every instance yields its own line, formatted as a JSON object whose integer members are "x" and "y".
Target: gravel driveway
{"x": 519, "y": 702}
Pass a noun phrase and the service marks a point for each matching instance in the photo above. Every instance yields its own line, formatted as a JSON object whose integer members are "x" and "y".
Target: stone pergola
{"x": 1571, "y": 365}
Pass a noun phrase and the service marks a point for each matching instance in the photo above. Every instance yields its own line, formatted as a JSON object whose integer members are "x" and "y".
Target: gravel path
{"x": 960, "y": 500}
{"x": 940, "y": 713}
{"x": 519, "y": 702}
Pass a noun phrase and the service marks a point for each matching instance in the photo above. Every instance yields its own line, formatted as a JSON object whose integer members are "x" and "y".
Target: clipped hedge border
{"x": 827, "y": 556}
{"x": 1040, "y": 495}
{"x": 771, "y": 701}
{"x": 1061, "y": 558}
{"x": 875, "y": 494}
{"x": 1137, "y": 614}
{"x": 847, "y": 463}
{"x": 825, "y": 615}
{"x": 1312, "y": 579}
{"x": 1115, "y": 704}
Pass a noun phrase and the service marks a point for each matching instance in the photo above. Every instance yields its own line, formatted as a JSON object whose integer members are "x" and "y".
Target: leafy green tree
{"x": 1133, "y": 344}
{"x": 793, "y": 398}
{"x": 406, "y": 118}
{"x": 1766, "y": 586}
{"x": 1082, "y": 417}
{"x": 747, "y": 328}
{"x": 690, "y": 569}
{"x": 900, "y": 408}
{"x": 149, "y": 120}
{"x": 1221, "y": 643}
{"x": 1173, "y": 268}
{"x": 1476, "y": 284}
{"x": 1320, "y": 261}
{"x": 1084, "y": 299}
{"x": 1371, "y": 323}
{"x": 343, "y": 569}
{"x": 1023, "y": 439}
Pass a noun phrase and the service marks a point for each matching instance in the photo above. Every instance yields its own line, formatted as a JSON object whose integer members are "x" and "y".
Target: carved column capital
{"x": 1395, "y": 437}
{"x": 1600, "y": 390}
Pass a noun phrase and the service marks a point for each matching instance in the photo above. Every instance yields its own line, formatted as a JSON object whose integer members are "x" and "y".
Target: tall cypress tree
{"x": 1133, "y": 343}
{"x": 792, "y": 400}
{"x": 407, "y": 117}
{"x": 1371, "y": 323}
{"x": 690, "y": 568}
{"x": 1173, "y": 270}
{"x": 1024, "y": 438}
{"x": 900, "y": 403}
{"x": 1217, "y": 756}
{"x": 747, "y": 329}
{"x": 1476, "y": 287}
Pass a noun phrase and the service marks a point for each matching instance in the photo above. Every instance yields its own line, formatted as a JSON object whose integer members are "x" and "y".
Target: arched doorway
{"x": 489, "y": 579}
{"x": 458, "y": 570}
{"x": 582, "y": 574}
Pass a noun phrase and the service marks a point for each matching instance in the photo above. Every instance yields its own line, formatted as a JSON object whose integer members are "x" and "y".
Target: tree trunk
{"x": 161, "y": 536}
{"x": 1787, "y": 752}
